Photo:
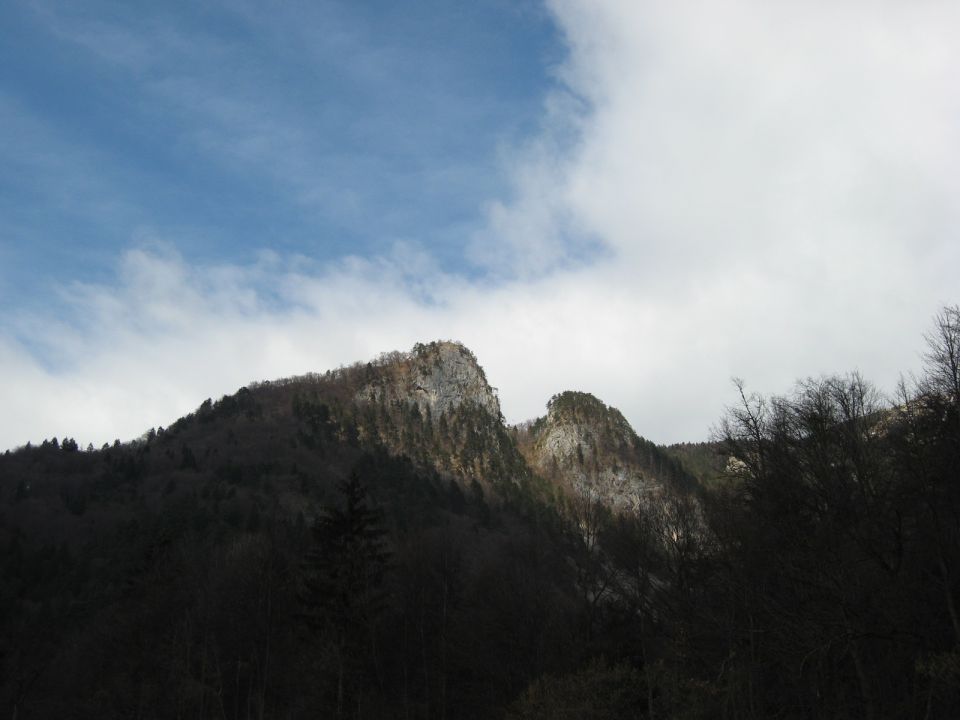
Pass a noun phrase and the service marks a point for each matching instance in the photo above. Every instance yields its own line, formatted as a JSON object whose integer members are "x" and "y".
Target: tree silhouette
{"x": 343, "y": 591}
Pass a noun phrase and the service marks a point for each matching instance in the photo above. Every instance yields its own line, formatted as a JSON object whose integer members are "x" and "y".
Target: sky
{"x": 642, "y": 199}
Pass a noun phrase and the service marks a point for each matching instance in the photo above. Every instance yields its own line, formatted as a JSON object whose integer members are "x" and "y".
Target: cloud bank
{"x": 727, "y": 188}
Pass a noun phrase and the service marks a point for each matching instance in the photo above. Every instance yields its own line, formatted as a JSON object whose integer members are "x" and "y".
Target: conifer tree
{"x": 343, "y": 591}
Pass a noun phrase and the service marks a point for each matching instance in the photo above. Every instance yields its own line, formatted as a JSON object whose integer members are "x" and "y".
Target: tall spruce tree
{"x": 343, "y": 593}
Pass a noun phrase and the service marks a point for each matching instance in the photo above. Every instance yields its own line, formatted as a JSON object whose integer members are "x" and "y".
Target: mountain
{"x": 434, "y": 404}
{"x": 588, "y": 449}
{"x": 289, "y": 440}
{"x": 438, "y": 378}
{"x": 190, "y": 547}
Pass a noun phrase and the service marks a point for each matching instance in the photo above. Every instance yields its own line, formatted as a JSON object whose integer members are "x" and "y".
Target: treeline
{"x": 837, "y": 547}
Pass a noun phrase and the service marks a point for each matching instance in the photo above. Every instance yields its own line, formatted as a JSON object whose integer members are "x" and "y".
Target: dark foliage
{"x": 290, "y": 552}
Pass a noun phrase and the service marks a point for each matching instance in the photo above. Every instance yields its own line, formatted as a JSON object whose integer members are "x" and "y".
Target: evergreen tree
{"x": 343, "y": 591}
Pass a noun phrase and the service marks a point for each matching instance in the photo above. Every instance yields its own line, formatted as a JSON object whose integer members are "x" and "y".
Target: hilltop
{"x": 589, "y": 449}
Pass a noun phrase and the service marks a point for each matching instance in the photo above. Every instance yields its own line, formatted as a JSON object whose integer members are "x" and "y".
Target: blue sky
{"x": 323, "y": 129}
{"x": 638, "y": 199}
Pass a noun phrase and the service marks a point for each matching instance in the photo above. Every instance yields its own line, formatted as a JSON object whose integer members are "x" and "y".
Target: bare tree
{"x": 942, "y": 357}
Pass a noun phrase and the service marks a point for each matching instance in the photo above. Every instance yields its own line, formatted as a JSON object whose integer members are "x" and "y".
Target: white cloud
{"x": 775, "y": 180}
{"x": 772, "y": 186}
{"x": 756, "y": 131}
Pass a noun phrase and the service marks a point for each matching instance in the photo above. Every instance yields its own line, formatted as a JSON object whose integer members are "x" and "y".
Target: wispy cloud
{"x": 324, "y": 129}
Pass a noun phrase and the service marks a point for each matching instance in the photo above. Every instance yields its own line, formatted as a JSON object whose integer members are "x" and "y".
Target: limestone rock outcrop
{"x": 438, "y": 378}
{"x": 590, "y": 449}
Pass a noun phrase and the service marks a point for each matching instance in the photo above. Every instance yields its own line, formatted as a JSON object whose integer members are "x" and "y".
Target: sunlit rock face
{"x": 591, "y": 450}
{"x": 435, "y": 406}
{"x": 438, "y": 378}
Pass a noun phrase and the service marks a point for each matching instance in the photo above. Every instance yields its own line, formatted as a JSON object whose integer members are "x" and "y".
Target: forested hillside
{"x": 375, "y": 542}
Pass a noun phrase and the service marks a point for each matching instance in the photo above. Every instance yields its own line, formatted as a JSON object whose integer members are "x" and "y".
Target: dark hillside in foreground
{"x": 375, "y": 543}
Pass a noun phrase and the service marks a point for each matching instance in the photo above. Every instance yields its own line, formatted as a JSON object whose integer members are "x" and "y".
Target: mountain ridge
{"x": 431, "y": 406}
{"x": 435, "y": 405}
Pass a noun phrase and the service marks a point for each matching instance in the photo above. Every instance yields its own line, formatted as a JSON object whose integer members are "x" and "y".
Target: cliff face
{"x": 590, "y": 450}
{"x": 434, "y": 405}
{"x": 437, "y": 378}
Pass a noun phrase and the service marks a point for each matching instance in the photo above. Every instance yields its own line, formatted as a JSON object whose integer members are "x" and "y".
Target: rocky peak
{"x": 437, "y": 377}
{"x": 580, "y": 426}
{"x": 434, "y": 405}
{"x": 590, "y": 449}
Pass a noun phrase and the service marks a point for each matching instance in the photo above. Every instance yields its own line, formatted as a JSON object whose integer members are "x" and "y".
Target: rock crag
{"x": 437, "y": 377}
{"x": 590, "y": 450}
